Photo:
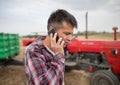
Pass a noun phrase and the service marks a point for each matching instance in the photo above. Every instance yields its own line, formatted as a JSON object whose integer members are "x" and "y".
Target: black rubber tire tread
{"x": 108, "y": 75}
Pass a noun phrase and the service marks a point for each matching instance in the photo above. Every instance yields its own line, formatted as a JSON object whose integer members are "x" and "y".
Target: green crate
{"x": 17, "y": 36}
{"x": 3, "y": 44}
{"x": 17, "y": 42}
{"x": 12, "y": 42}
{"x": 12, "y": 53}
{"x": 9, "y": 45}
{"x": 2, "y": 50}
{"x": 4, "y": 55}
{"x": 3, "y": 36}
{"x": 11, "y": 48}
{"x": 11, "y": 36}
{"x": 17, "y": 49}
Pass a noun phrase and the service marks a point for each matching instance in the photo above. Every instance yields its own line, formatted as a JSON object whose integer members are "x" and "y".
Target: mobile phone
{"x": 53, "y": 31}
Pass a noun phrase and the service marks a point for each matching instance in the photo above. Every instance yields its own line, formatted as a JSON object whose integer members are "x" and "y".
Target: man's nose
{"x": 69, "y": 38}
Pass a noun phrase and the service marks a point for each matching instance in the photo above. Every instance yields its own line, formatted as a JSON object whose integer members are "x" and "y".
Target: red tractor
{"x": 99, "y": 57}
{"x": 32, "y": 37}
{"x": 28, "y": 41}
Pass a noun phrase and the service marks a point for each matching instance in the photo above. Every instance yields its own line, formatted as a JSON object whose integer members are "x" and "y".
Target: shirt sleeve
{"x": 39, "y": 71}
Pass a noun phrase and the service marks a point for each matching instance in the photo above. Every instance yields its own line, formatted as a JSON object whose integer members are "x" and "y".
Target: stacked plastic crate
{"x": 17, "y": 45}
{"x": 9, "y": 45}
{"x": 4, "y": 51}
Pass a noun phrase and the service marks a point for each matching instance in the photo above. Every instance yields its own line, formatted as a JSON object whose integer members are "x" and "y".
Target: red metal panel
{"x": 73, "y": 45}
{"x": 85, "y": 45}
{"x": 98, "y": 46}
{"x": 113, "y": 60}
{"x": 91, "y": 45}
{"x": 28, "y": 41}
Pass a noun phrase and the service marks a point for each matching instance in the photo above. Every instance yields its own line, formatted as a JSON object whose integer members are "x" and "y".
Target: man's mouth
{"x": 66, "y": 43}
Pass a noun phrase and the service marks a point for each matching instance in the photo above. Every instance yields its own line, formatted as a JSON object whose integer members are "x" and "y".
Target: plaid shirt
{"x": 43, "y": 67}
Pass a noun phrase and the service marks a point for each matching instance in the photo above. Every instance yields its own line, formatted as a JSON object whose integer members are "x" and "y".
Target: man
{"x": 44, "y": 59}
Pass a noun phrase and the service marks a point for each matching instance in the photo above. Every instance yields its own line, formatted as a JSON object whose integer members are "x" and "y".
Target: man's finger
{"x": 51, "y": 35}
{"x": 54, "y": 37}
{"x": 51, "y": 39}
{"x": 59, "y": 41}
{"x": 62, "y": 43}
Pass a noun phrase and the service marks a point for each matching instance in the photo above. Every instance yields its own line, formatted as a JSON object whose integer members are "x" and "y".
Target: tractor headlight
{"x": 115, "y": 51}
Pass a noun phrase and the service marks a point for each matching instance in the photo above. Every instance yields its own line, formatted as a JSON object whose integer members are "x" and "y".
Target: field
{"x": 15, "y": 75}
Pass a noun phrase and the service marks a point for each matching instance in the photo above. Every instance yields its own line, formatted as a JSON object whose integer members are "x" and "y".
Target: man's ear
{"x": 51, "y": 27}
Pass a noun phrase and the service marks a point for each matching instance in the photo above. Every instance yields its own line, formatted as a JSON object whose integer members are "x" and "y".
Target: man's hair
{"x": 59, "y": 16}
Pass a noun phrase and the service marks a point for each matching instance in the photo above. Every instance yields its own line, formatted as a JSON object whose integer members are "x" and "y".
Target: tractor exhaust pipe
{"x": 115, "y": 32}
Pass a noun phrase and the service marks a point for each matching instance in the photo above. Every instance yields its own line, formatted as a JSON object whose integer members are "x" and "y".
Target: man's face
{"x": 66, "y": 32}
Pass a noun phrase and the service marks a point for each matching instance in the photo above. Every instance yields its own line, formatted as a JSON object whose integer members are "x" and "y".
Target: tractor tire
{"x": 104, "y": 77}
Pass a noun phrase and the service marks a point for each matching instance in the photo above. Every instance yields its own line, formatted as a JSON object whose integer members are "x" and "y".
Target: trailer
{"x": 9, "y": 45}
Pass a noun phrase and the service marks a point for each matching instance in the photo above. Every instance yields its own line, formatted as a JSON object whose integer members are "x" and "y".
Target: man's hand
{"x": 56, "y": 47}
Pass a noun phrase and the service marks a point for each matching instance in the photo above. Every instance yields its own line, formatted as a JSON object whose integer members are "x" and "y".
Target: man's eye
{"x": 68, "y": 33}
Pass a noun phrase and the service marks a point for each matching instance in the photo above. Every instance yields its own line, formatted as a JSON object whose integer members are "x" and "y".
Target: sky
{"x": 28, "y": 16}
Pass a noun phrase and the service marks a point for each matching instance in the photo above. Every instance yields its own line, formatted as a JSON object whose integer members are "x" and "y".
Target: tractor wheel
{"x": 104, "y": 77}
